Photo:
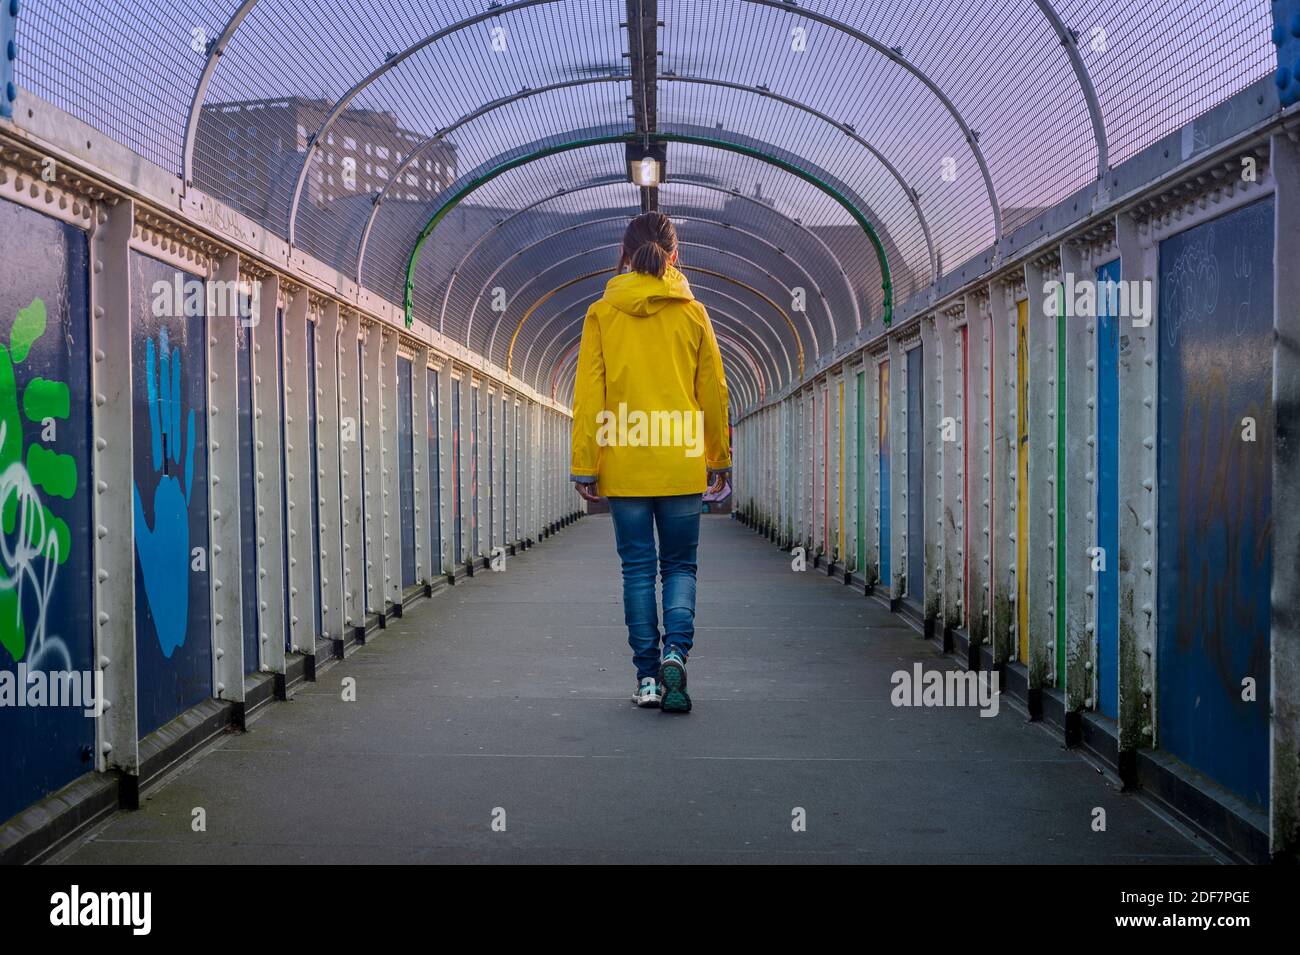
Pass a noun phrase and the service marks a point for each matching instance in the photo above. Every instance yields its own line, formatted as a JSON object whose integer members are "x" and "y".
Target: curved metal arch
{"x": 714, "y": 313}
{"x": 758, "y": 389}
{"x": 685, "y": 268}
{"x": 774, "y": 365}
{"x": 603, "y": 138}
{"x": 1070, "y": 40}
{"x": 912, "y": 195}
{"x": 740, "y": 303}
{"x": 896, "y": 57}
{"x": 396, "y": 59}
{"x": 690, "y": 268}
{"x": 509, "y": 7}
{"x": 774, "y": 369}
{"x": 751, "y": 381}
{"x": 734, "y": 193}
{"x": 794, "y": 330}
{"x": 214, "y": 51}
{"x": 515, "y": 257}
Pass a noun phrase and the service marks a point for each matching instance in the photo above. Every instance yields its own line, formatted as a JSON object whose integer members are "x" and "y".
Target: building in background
{"x": 247, "y": 153}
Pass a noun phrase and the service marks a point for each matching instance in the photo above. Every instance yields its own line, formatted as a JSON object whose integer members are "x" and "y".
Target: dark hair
{"x": 649, "y": 243}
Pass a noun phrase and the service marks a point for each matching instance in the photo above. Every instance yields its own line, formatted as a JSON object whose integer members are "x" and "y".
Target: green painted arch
{"x": 887, "y": 304}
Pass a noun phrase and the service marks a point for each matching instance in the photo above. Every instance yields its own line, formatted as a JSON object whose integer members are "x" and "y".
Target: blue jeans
{"x": 678, "y": 521}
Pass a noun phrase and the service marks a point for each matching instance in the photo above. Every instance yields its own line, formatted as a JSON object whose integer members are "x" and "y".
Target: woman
{"x": 650, "y": 432}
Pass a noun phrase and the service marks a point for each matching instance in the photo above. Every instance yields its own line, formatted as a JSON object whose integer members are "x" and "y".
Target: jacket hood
{"x": 639, "y": 294}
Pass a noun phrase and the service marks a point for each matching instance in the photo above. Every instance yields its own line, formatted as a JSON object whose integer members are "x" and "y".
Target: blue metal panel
{"x": 1107, "y": 629}
{"x": 1215, "y": 497}
{"x": 173, "y": 626}
{"x": 1286, "y": 37}
{"x": 406, "y": 470}
{"x": 435, "y": 481}
{"x": 9, "y": 43}
{"x": 883, "y": 423}
{"x": 916, "y": 475}
{"x": 247, "y": 499}
{"x": 45, "y": 562}
{"x": 313, "y": 452}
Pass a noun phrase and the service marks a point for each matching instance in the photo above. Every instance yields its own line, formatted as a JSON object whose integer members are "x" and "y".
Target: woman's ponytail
{"x": 649, "y": 244}
{"x": 650, "y": 258}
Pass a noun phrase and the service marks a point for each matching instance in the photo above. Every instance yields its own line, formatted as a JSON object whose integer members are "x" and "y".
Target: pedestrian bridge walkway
{"x": 507, "y": 699}
{"x": 291, "y": 297}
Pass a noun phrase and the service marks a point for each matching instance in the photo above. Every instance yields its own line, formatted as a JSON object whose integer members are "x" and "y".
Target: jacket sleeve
{"x": 588, "y": 402}
{"x": 711, "y": 393}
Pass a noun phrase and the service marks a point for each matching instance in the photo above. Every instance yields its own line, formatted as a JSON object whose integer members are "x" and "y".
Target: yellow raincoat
{"x": 650, "y": 400}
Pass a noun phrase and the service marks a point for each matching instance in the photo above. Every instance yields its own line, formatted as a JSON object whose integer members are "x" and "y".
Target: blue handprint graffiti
{"x": 163, "y": 550}
{"x": 173, "y": 601}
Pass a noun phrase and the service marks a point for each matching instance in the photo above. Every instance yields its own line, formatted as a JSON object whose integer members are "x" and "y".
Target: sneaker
{"x": 647, "y": 692}
{"x": 672, "y": 675}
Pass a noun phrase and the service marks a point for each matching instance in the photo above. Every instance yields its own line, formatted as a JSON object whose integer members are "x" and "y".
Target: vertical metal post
{"x": 1080, "y": 505}
{"x": 948, "y": 332}
{"x": 272, "y": 588}
{"x": 1002, "y": 466}
{"x": 871, "y": 561}
{"x": 225, "y": 539}
{"x": 372, "y": 467}
{"x": 425, "y": 558}
{"x": 1139, "y": 348}
{"x": 1284, "y": 802}
{"x": 116, "y": 737}
{"x": 446, "y": 561}
{"x": 463, "y": 447}
{"x": 852, "y": 477}
{"x": 898, "y": 464}
{"x": 505, "y": 479}
{"x": 297, "y": 457}
{"x": 328, "y": 470}
{"x": 351, "y": 467}
{"x": 936, "y": 351}
{"x": 1042, "y": 481}
{"x": 391, "y": 404}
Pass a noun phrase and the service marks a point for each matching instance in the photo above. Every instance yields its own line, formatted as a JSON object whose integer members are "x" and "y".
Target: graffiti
{"x": 1191, "y": 285}
{"x": 163, "y": 549}
{"x": 34, "y": 542}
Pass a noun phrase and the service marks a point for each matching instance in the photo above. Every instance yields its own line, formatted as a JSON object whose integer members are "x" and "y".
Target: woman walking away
{"x": 650, "y": 432}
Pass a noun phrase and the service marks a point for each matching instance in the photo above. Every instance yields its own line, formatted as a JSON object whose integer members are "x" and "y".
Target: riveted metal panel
{"x": 351, "y": 470}
{"x": 313, "y": 478}
{"x": 47, "y": 489}
{"x": 884, "y": 477}
{"x": 422, "y": 421}
{"x": 250, "y": 528}
{"x": 225, "y": 495}
{"x": 173, "y": 596}
{"x": 298, "y": 503}
{"x": 329, "y": 472}
{"x": 916, "y": 464}
{"x": 405, "y": 459}
{"x": 268, "y": 485}
{"x": 1215, "y": 496}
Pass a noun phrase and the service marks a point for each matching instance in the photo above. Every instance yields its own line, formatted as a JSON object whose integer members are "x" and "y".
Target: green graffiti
{"x": 43, "y": 539}
{"x": 28, "y": 326}
{"x": 55, "y": 472}
{"x": 46, "y": 399}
